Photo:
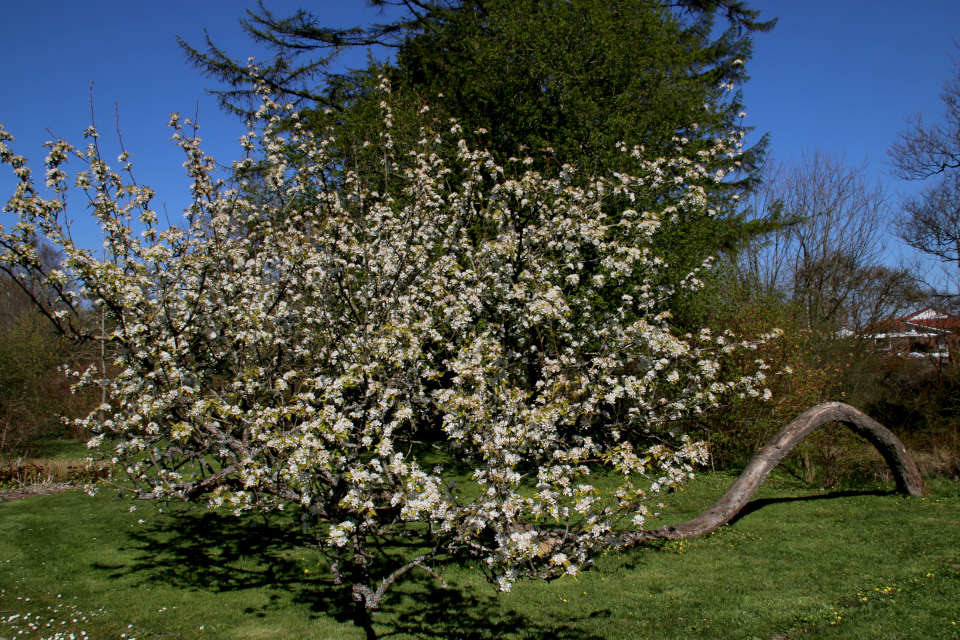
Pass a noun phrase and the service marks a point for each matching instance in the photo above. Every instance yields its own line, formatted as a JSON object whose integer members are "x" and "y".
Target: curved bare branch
{"x": 894, "y": 453}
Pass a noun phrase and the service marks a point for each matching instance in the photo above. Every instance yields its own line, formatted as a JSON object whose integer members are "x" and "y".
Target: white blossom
{"x": 273, "y": 356}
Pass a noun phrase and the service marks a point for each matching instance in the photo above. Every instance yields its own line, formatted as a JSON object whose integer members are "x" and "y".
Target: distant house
{"x": 927, "y": 333}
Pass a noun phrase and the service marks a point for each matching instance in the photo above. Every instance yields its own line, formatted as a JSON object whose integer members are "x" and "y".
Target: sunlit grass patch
{"x": 797, "y": 564}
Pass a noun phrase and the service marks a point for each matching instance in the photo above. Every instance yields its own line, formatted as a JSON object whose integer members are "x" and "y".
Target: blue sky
{"x": 840, "y": 75}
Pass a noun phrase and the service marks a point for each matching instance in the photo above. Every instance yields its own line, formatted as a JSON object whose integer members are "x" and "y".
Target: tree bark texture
{"x": 894, "y": 453}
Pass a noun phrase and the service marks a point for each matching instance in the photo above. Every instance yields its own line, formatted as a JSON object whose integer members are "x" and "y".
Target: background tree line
{"x": 36, "y": 400}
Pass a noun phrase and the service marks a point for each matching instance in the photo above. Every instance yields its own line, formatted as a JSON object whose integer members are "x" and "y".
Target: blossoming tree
{"x": 313, "y": 348}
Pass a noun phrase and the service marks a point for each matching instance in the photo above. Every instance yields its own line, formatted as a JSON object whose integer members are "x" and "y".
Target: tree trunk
{"x": 901, "y": 464}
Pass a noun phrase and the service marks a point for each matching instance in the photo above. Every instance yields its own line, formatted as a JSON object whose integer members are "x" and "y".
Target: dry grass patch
{"x": 940, "y": 462}
{"x": 36, "y": 476}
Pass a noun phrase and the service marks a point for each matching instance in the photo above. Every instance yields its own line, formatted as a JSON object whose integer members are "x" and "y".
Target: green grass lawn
{"x": 797, "y": 563}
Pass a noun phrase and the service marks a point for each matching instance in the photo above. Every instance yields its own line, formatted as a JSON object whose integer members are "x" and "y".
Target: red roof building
{"x": 925, "y": 333}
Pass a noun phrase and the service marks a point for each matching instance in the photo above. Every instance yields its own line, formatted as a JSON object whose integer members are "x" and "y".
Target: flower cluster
{"x": 305, "y": 343}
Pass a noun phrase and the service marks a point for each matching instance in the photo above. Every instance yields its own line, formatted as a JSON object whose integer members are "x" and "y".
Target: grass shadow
{"x": 755, "y": 505}
{"x": 220, "y": 553}
{"x": 424, "y": 611}
{"x": 214, "y": 552}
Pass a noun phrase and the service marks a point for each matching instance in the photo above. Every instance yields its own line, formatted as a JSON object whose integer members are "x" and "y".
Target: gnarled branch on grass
{"x": 904, "y": 470}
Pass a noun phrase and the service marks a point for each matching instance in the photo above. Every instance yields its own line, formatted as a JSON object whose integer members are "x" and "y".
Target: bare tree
{"x": 925, "y": 150}
{"x": 882, "y": 292}
{"x": 929, "y": 220}
{"x": 828, "y": 256}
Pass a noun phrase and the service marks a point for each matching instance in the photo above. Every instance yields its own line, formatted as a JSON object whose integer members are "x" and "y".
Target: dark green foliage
{"x": 566, "y": 81}
{"x": 306, "y": 50}
{"x": 560, "y": 82}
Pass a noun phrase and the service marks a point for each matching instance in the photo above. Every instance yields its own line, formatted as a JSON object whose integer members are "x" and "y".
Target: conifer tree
{"x": 557, "y": 82}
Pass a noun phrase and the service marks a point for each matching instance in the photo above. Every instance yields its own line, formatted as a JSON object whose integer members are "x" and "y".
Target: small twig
{"x": 443, "y": 583}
